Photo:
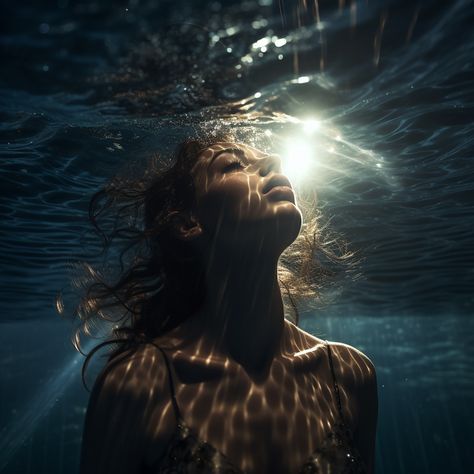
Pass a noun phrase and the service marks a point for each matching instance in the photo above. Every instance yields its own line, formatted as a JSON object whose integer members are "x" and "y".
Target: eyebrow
{"x": 237, "y": 151}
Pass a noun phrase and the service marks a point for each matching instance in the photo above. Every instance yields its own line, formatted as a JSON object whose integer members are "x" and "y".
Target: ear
{"x": 185, "y": 226}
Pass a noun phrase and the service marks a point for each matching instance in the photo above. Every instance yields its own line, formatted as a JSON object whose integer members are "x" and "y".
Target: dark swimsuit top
{"x": 187, "y": 453}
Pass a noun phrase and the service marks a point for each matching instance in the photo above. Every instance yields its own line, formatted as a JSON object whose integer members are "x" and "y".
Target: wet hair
{"x": 157, "y": 280}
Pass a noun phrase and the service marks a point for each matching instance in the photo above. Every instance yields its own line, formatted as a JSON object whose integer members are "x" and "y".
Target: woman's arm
{"x": 114, "y": 437}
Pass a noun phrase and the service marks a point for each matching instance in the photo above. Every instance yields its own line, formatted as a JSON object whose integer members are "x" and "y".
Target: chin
{"x": 289, "y": 211}
{"x": 287, "y": 224}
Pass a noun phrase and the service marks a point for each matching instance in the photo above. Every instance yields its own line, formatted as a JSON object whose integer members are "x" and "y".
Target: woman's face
{"x": 243, "y": 199}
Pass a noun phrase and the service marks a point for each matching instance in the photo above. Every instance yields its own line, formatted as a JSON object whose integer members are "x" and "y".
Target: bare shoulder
{"x": 357, "y": 381}
{"x": 121, "y": 407}
{"x": 353, "y": 365}
{"x": 357, "y": 375}
{"x": 131, "y": 372}
{"x": 132, "y": 382}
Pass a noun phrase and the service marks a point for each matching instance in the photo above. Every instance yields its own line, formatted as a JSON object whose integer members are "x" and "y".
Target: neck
{"x": 243, "y": 313}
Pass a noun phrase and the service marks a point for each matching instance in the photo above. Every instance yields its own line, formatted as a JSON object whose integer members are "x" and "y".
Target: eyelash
{"x": 232, "y": 165}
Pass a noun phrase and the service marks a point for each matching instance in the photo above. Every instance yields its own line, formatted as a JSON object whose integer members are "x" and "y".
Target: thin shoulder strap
{"x": 170, "y": 379}
{"x": 336, "y": 386}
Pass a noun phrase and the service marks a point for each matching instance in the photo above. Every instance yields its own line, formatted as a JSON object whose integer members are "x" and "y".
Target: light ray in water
{"x": 282, "y": 14}
{"x": 411, "y": 28}
{"x": 378, "y": 38}
{"x": 15, "y": 435}
{"x": 353, "y": 14}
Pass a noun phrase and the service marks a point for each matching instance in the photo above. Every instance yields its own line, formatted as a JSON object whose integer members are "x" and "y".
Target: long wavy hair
{"x": 148, "y": 281}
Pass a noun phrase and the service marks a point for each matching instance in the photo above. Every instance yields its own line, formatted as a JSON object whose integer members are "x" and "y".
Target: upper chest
{"x": 268, "y": 427}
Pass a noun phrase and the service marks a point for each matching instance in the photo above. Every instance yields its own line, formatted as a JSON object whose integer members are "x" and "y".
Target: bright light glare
{"x": 311, "y": 125}
{"x": 303, "y": 80}
{"x": 297, "y": 160}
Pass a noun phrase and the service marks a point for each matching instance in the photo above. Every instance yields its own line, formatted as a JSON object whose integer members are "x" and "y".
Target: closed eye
{"x": 236, "y": 164}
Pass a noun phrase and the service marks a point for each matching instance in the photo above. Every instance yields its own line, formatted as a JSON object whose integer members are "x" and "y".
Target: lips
{"x": 278, "y": 180}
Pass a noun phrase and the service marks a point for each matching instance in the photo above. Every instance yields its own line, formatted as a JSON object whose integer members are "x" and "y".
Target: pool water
{"x": 382, "y": 95}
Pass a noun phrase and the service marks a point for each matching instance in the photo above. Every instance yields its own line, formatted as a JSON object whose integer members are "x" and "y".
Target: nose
{"x": 270, "y": 163}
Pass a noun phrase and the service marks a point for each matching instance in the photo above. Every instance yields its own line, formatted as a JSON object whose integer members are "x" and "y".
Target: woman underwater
{"x": 213, "y": 377}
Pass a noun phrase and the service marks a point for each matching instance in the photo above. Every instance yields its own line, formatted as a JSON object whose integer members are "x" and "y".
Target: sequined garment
{"x": 187, "y": 454}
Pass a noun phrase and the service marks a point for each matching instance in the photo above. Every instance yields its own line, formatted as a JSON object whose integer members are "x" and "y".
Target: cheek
{"x": 231, "y": 200}
{"x": 234, "y": 208}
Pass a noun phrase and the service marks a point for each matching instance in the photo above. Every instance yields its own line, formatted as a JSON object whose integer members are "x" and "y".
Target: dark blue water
{"x": 86, "y": 87}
